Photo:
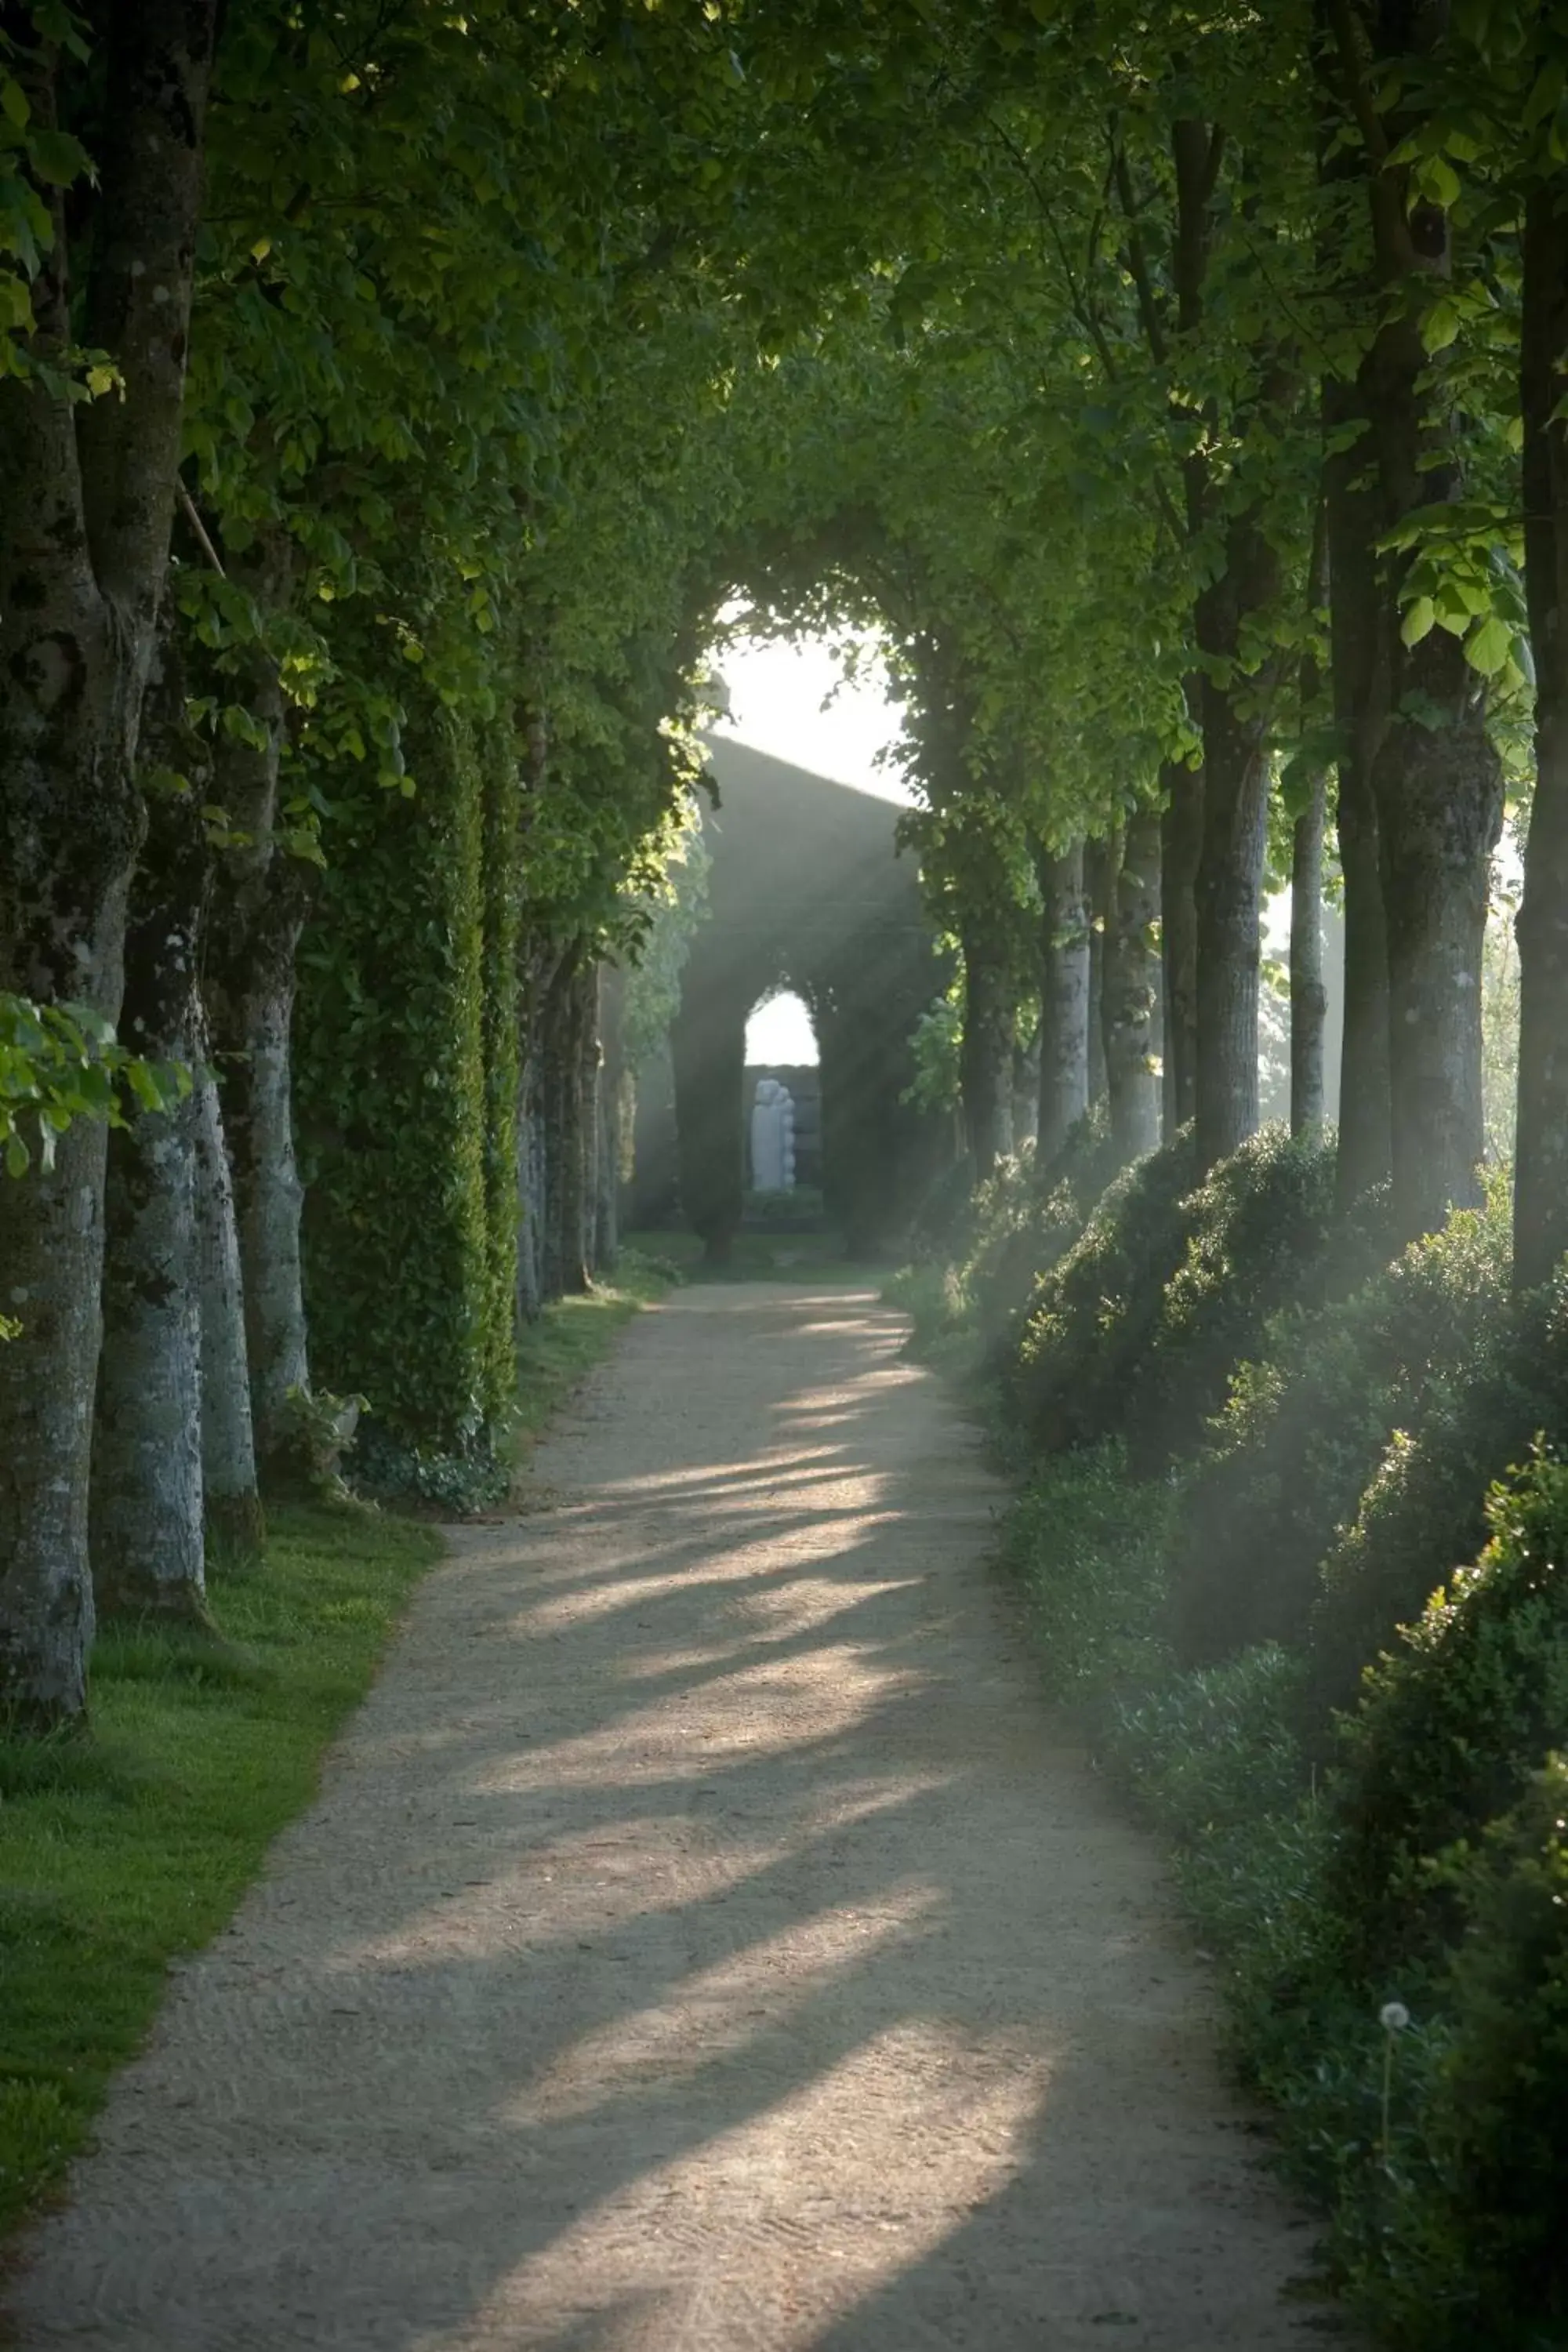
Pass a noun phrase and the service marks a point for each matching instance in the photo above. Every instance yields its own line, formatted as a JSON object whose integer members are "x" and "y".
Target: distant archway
{"x": 806, "y": 893}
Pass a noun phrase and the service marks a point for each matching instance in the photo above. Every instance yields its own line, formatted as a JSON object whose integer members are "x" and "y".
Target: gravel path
{"x": 702, "y": 1943}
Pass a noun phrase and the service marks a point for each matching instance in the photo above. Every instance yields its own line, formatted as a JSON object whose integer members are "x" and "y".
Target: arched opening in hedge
{"x": 806, "y": 893}
{"x": 781, "y": 1108}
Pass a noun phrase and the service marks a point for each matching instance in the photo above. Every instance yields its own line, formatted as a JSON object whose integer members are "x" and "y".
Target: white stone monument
{"x": 772, "y": 1137}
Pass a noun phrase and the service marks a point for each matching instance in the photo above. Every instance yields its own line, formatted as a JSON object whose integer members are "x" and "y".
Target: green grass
{"x": 126, "y": 1847}
{"x": 758, "y": 1257}
{"x": 123, "y": 1848}
{"x": 570, "y": 1337}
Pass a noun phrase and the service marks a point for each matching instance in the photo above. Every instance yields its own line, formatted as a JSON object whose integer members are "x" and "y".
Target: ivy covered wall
{"x": 407, "y": 1076}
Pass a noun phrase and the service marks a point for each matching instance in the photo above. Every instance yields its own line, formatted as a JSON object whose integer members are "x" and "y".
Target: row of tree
{"x": 388, "y": 402}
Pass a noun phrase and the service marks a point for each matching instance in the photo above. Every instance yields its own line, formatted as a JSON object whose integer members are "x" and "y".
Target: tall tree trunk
{"x": 590, "y": 1070}
{"x": 1233, "y": 708}
{"x": 986, "y": 1061}
{"x": 1229, "y": 891}
{"x": 1541, "y": 1165}
{"x": 565, "y": 1273}
{"x": 1100, "y": 860}
{"x": 1132, "y": 976}
{"x": 86, "y": 501}
{"x": 539, "y": 973}
{"x": 258, "y": 1112}
{"x": 1180, "y": 847}
{"x": 1436, "y": 779}
{"x": 259, "y": 914}
{"x": 235, "y": 1524}
{"x": 612, "y": 1102}
{"x": 1358, "y": 661}
{"x": 1025, "y": 1105}
{"x": 1359, "y": 671}
{"x": 1309, "y": 997}
{"x": 1439, "y": 813}
{"x": 146, "y": 1514}
{"x": 1064, "y": 1001}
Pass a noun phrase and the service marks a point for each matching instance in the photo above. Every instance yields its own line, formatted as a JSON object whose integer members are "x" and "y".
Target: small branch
{"x": 1077, "y": 301}
{"x": 199, "y": 529}
{"x": 1137, "y": 263}
{"x": 1368, "y": 119}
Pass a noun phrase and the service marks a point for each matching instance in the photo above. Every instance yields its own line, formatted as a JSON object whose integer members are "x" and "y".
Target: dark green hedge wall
{"x": 407, "y": 1089}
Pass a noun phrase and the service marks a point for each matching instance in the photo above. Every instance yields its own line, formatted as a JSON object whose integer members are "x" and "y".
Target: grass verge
{"x": 122, "y": 1850}
{"x": 758, "y": 1257}
{"x": 557, "y": 1352}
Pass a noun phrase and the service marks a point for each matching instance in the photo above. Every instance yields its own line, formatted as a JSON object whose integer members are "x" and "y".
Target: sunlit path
{"x": 699, "y": 1942}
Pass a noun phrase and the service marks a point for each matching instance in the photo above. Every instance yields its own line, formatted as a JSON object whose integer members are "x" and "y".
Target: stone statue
{"x": 772, "y": 1137}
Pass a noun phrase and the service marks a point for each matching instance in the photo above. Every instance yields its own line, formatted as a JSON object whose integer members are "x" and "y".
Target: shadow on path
{"x": 701, "y": 1941}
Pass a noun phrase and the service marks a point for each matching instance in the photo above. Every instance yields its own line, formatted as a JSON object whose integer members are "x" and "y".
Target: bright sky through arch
{"x": 776, "y": 693}
{"x": 778, "y": 1034}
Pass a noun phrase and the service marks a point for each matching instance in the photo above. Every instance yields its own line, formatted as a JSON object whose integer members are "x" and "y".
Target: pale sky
{"x": 776, "y": 693}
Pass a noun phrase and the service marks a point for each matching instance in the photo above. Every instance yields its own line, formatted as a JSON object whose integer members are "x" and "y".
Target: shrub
{"x": 1425, "y": 1511}
{"x": 1085, "y": 1543}
{"x": 1214, "y": 1747}
{"x": 1499, "y": 2106}
{"x": 1451, "y": 1725}
{"x": 1027, "y": 1218}
{"x": 1258, "y": 1226}
{"x": 977, "y": 1274}
{"x": 406, "y": 1090}
{"x": 1305, "y": 1428}
{"x": 1092, "y": 1314}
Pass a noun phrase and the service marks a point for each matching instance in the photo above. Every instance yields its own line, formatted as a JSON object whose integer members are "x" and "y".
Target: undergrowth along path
{"x": 704, "y": 1940}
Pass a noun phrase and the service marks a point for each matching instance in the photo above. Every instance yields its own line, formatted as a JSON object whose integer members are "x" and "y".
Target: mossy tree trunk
{"x": 985, "y": 1060}
{"x": 231, "y": 1496}
{"x": 1541, "y": 1179}
{"x": 1360, "y": 687}
{"x": 612, "y": 1098}
{"x": 146, "y": 1515}
{"x": 1309, "y": 997}
{"x": 1099, "y": 883}
{"x": 1064, "y": 1000}
{"x": 531, "y": 1167}
{"x": 1180, "y": 847}
{"x": 258, "y": 916}
{"x": 565, "y": 1272}
{"x": 1131, "y": 990}
{"x": 1436, "y": 779}
{"x": 87, "y": 494}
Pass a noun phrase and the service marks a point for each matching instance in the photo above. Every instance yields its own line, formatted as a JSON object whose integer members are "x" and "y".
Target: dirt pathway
{"x": 700, "y": 1945}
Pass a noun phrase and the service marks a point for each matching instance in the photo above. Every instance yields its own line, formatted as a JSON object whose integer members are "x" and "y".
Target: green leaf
{"x": 1488, "y": 646}
{"x": 1435, "y": 179}
{"x": 1440, "y": 327}
{"x": 1419, "y": 621}
{"x": 57, "y": 158}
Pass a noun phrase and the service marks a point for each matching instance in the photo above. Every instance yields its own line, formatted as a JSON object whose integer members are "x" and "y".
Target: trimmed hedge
{"x": 1258, "y": 1229}
{"x": 1489, "y": 2232}
{"x": 1452, "y": 1723}
{"x": 1093, "y": 1315}
{"x": 1425, "y": 1509}
{"x": 1306, "y": 1426}
{"x": 1026, "y": 1219}
{"x": 406, "y": 1097}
